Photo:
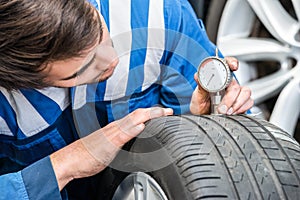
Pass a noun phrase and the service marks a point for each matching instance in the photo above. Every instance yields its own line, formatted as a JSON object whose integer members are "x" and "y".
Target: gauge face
{"x": 213, "y": 75}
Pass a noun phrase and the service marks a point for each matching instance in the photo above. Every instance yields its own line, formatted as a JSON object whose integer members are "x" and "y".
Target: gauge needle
{"x": 210, "y": 79}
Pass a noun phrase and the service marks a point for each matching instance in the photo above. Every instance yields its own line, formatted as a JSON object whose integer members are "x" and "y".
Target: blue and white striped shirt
{"x": 159, "y": 43}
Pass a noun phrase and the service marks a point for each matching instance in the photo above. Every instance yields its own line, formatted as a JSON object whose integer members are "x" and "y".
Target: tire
{"x": 213, "y": 18}
{"x": 201, "y": 8}
{"x": 210, "y": 157}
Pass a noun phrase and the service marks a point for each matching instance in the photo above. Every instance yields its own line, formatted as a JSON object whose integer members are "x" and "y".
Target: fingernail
{"x": 230, "y": 111}
{"x": 235, "y": 64}
{"x": 222, "y": 109}
{"x": 157, "y": 112}
{"x": 169, "y": 111}
{"x": 140, "y": 127}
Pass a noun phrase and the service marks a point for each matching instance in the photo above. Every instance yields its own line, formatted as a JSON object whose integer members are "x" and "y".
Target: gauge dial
{"x": 214, "y": 74}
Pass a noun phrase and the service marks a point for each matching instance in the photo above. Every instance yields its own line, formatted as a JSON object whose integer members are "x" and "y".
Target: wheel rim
{"x": 139, "y": 186}
{"x": 284, "y": 47}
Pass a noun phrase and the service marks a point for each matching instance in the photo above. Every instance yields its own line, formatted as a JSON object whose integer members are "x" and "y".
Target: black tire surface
{"x": 213, "y": 18}
{"x": 215, "y": 157}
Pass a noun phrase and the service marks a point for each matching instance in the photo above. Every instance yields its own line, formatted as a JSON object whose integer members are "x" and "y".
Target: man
{"x": 48, "y": 46}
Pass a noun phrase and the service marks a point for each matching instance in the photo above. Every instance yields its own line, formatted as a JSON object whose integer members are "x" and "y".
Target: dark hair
{"x": 36, "y": 32}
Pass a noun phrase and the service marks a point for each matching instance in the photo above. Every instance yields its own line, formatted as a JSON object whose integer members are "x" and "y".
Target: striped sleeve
{"x": 40, "y": 180}
{"x": 12, "y": 187}
{"x": 37, "y": 181}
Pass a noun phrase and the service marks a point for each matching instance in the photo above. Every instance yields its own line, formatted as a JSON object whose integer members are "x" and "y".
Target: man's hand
{"x": 237, "y": 99}
{"x": 91, "y": 154}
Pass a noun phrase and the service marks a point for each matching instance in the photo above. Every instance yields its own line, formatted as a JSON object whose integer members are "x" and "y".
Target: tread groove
{"x": 217, "y": 156}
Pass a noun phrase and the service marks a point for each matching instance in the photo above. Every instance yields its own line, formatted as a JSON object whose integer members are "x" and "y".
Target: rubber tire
{"x": 216, "y": 157}
{"x": 200, "y": 7}
{"x": 214, "y": 14}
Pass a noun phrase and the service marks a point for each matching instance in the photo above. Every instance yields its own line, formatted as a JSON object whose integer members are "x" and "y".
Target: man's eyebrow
{"x": 81, "y": 70}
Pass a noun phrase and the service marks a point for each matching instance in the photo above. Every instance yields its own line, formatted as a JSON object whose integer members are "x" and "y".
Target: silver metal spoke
{"x": 234, "y": 40}
{"x": 252, "y": 49}
{"x": 285, "y": 113}
{"x": 296, "y": 4}
{"x": 139, "y": 186}
{"x": 242, "y": 11}
{"x": 281, "y": 25}
{"x": 269, "y": 86}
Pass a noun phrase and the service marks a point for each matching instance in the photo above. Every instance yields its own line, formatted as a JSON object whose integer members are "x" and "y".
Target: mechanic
{"x": 48, "y": 47}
